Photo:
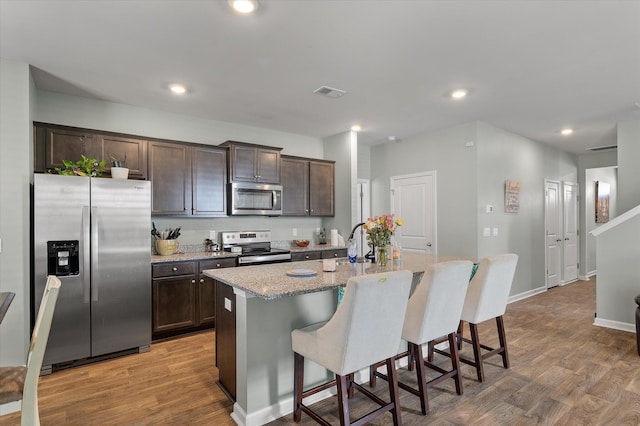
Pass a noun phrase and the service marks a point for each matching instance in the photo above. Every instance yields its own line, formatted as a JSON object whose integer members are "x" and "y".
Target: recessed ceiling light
{"x": 244, "y": 6}
{"x": 459, "y": 93}
{"x": 356, "y": 128}
{"x": 566, "y": 132}
{"x": 178, "y": 89}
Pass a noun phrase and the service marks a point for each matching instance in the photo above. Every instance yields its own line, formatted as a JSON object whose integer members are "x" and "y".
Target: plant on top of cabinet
{"x": 84, "y": 167}
{"x": 253, "y": 163}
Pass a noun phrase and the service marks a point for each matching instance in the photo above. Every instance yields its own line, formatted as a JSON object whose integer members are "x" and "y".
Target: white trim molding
{"x": 616, "y": 325}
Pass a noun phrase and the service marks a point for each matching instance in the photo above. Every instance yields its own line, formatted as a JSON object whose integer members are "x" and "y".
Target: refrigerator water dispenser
{"x": 62, "y": 258}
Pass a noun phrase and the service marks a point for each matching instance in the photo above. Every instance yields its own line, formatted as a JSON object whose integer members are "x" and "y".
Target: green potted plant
{"x": 84, "y": 167}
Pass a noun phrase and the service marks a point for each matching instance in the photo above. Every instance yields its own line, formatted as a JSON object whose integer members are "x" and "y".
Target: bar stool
{"x": 365, "y": 329}
{"x": 487, "y": 298}
{"x": 434, "y": 310}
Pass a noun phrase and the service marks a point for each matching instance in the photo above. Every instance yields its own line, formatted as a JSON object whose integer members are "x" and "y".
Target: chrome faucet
{"x": 371, "y": 254}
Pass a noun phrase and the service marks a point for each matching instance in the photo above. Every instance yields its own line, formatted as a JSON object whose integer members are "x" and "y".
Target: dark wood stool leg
{"x": 298, "y": 381}
{"x": 455, "y": 362}
{"x": 351, "y": 387}
{"x": 460, "y": 335}
{"x": 422, "y": 378}
{"x": 430, "y": 347}
{"x": 343, "y": 399}
{"x": 393, "y": 391}
{"x": 638, "y": 322}
{"x": 503, "y": 341}
{"x": 477, "y": 355}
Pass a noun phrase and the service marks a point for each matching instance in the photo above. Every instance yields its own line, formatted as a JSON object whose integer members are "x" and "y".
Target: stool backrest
{"x": 489, "y": 289}
{"x": 367, "y": 325}
{"x": 39, "y": 339}
{"x": 435, "y": 307}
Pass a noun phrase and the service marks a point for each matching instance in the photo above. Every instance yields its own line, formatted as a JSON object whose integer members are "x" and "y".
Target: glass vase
{"x": 382, "y": 255}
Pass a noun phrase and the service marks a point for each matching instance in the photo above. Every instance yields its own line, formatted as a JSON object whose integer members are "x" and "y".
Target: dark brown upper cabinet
{"x": 308, "y": 187}
{"x": 132, "y": 151}
{"x": 187, "y": 180}
{"x": 253, "y": 163}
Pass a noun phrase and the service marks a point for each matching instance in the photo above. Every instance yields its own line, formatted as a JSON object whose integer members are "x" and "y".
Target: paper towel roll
{"x": 334, "y": 237}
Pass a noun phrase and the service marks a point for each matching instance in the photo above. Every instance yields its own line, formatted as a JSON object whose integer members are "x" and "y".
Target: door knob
{"x": 558, "y": 240}
{"x": 428, "y": 244}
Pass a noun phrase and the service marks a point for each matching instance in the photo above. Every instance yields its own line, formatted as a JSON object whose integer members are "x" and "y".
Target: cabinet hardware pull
{"x": 217, "y": 265}
{"x": 201, "y": 280}
{"x": 306, "y": 257}
{"x": 174, "y": 269}
{"x": 193, "y": 281}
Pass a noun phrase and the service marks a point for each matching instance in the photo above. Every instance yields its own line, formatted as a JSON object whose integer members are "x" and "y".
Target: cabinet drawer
{"x": 172, "y": 269}
{"x": 305, "y": 255}
{"x": 328, "y": 254}
{"x": 227, "y": 262}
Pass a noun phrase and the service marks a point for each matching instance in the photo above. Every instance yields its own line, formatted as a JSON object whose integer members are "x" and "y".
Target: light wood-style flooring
{"x": 564, "y": 371}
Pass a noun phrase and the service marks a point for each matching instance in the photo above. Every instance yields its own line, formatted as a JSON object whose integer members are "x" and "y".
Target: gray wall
{"x": 445, "y": 152}
{"x": 603, "y": 174}
{"x": 100, "y": 115}
{"x": 506, "y": 156}
{"x": 628, "y": 160}
{"x": 16, "y": 169}
{"x": 343, "y": 149}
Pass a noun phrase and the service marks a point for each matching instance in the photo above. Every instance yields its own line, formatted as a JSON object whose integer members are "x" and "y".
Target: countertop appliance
{"x": 253, "y": 247}
{"x": 93, "y": 233}
{"x": 248, "y": 198}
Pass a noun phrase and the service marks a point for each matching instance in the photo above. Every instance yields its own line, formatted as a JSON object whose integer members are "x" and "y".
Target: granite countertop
{"x": 203, "y": 255}
{"x": 272, "y": 282}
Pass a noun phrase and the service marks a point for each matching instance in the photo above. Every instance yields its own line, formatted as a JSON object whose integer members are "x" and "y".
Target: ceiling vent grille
{"x": 601, "y": 148}
{"x": 330, "y": 92}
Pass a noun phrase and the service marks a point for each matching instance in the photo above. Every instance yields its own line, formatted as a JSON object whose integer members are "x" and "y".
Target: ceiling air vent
{"x": 601, "y": 148}
{"x": 330, "y": 92}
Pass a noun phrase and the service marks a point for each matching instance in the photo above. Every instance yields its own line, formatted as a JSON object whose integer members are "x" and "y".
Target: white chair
{"x": 434, "y": 310}
{"x": 486, "y": 299}
{"x": 21, "y": 383}
{"x": 365, "y": 329}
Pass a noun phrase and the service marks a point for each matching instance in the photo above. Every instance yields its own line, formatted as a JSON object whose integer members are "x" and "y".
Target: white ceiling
{"x": 532, "y": 67}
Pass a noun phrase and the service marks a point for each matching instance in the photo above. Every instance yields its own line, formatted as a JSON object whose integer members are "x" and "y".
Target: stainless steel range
{"x": 253, "y": 247}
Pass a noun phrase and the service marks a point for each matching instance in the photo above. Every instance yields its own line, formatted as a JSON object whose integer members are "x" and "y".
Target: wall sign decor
{"x": 602, "y": 202}
{"x": 512, "y": 196}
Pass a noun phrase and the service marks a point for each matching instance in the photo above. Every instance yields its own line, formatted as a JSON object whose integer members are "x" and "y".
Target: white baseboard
{"x": 526, "y": 294}
{"x": 616, "y": 325}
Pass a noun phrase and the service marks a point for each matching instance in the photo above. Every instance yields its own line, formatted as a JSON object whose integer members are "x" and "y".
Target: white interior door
{"x": 553, "y": 224}
{"x": 413, "y": 198}
{"x": 570, "y": 232}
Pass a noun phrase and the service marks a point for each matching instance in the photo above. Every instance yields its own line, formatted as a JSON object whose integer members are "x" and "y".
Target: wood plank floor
{"x": 564, "y": 371}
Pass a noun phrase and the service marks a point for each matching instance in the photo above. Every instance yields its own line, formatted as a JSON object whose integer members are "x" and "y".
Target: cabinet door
{"x": 63, "y": 144}
{"x": 132, "y": 151}
{"x": 206, "y": 300}
{"x": 226, "y": 337}
{"x": 329, "y": 254}
{"x": 295, "y": 187}
{"x": 174, "y": 303}
{"x": 243, "y": 163}
{"x": 268, "y": 166}
{"x": 209, "y": 181}
{"x": 170, "y": 174}
{"x": 321, "y": 188}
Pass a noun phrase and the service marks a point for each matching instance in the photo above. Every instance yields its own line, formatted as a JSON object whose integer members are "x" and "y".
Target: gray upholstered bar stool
{"x": 486, "y": 299}
{"x": 434, "y": 310}
{"x": 365, "y": 329}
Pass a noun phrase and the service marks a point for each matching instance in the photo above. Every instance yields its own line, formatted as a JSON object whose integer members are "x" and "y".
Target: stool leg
{"x": 460, "y": 335}
{"x": 351, "y": 387}
{"x": 477, "y": 356}
{"x": 343, "y": 399}
{"x": 421, "y": 376}
{"x": 503, "y": 341}
{"x": 393, "y": 390}
{"x": 298, "y": 380}
{"x": 455, "y": 362}
{"x": 430, "y": 347}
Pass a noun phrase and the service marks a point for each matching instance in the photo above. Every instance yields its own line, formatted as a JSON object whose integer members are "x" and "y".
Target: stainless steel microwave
{"x": 246, "y": 198}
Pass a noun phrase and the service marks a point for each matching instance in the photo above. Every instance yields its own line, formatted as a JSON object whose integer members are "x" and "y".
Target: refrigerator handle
{"x": 86, "y": 260}
{"x": 94, "y": 254}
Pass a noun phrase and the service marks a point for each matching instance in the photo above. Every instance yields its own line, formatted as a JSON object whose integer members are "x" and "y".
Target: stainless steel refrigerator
{"x": 93, "y": 233}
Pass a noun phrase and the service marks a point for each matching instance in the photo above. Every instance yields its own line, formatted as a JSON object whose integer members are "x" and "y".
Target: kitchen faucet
{"x": 370, "y": 255}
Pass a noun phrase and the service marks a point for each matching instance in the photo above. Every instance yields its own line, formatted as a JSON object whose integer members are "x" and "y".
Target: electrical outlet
{"x": 294, "y": 232}
{"x": 212, "y": 235}
{"x": 495, "y": 232}
{"x": 487, "y": 232}
{"x": 317, "y": 231}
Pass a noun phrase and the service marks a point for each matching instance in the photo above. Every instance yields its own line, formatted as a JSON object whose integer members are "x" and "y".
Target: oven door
{"x": 255, "y": 199}
{"x": 255, "y": 259}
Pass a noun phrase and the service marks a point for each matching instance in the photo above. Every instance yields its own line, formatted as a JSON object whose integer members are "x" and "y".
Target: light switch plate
{"x": 227, "y": 304}
{"x": 487, "y": 232}
{"x": 294, "y": 232}
{"x": 495, "y": 232}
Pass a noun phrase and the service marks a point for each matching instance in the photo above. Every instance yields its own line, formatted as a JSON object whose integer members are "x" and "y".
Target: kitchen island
{"x": 260, "y": 306}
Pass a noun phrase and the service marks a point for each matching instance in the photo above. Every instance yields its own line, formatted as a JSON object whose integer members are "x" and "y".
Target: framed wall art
{"x": 512, "y": 196}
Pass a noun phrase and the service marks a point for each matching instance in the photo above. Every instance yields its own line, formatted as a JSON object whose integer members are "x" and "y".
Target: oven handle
{"x": 275, "y": 199}
{"x": 248, "y": 260}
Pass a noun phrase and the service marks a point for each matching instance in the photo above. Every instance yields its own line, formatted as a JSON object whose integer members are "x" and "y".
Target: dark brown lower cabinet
{"x": 226, "y": 339}
{"x": 184, "y": 299}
